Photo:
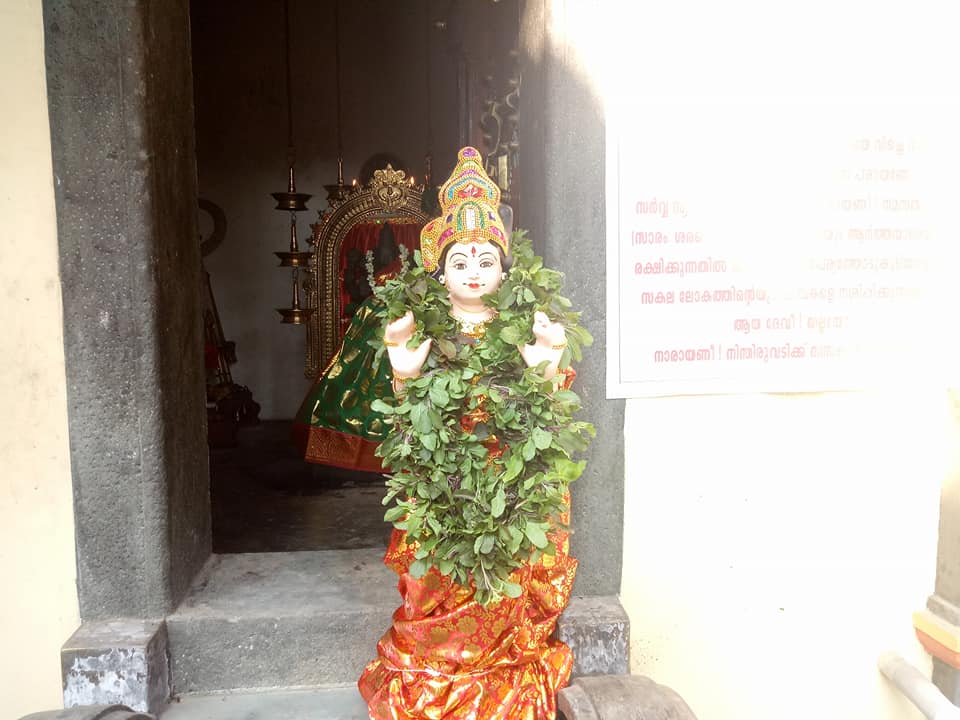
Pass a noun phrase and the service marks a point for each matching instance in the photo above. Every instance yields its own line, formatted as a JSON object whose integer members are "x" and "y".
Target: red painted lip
{"x": 473, "y": 286}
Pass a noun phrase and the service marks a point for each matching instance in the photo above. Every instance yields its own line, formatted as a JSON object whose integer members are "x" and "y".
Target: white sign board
{"x": 781, "y": 244}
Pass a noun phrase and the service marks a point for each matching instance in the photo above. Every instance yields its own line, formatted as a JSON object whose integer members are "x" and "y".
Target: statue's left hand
{"x": 551, "y": 338}
{"x": 406, "y": 362}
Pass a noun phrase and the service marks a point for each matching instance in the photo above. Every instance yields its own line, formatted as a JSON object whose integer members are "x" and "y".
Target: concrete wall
{"x": 38, "y": 607}
{"x": 776, "y": 545}
{"x": 773, "y": 545}
{"x": 242, "y": 146}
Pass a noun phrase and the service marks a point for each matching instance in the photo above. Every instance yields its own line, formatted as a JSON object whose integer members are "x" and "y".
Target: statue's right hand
{"x": 406, "y": 362}
{"x": 400, "y": 330}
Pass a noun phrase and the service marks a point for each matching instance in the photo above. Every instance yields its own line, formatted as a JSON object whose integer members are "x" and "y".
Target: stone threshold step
{"x": 328, "y": 703}
{"x": 297, "y": 619}
{"x": 306, "y": 619}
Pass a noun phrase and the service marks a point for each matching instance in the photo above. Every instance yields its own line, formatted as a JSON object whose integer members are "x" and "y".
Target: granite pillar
{"x": 596, "y": 628}
{"x": 562, "y": 187}
{"x": 121, "y": 114}
{"x": 120, "y": 97}
{"x": 561, "y": 181}
{"x": 117, "y": 662}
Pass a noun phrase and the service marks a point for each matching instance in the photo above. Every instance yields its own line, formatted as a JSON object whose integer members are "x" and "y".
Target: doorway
{"x": 414, "y": 79}
{"x": 119, "y": 86}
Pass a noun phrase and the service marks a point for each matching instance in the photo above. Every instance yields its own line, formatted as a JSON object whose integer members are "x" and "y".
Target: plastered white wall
{"x": 38, "y": 606}
{"x": 775, "y": 545}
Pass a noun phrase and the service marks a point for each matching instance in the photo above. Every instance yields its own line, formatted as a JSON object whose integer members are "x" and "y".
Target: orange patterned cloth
{"x": 447, "y": 657}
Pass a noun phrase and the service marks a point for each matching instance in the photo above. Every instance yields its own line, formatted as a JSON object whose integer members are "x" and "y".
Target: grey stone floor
{"x": 265, "y": 498}
{"x": 248, "y": 585}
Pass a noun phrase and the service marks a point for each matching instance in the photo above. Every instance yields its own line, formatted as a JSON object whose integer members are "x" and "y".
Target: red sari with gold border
{"x": 446, "y": 657}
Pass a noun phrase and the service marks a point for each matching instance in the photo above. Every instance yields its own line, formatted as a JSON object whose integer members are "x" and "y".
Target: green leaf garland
{"x": 474, "y": 518}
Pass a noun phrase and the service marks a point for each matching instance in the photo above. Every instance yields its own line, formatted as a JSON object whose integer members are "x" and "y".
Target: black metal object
{"x": 91, "y": 712}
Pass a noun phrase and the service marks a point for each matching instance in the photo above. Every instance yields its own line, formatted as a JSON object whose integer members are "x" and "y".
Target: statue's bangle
{"x": 400, "y": 382}
{"x": 390, "y": 343}
{"x": 561, "y": 346}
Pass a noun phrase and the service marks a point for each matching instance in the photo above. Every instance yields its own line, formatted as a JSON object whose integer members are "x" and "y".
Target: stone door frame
{"x": 120, "y": 95}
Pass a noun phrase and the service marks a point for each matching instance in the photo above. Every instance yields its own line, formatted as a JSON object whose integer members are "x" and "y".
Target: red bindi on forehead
{"x": 473, "y": 250}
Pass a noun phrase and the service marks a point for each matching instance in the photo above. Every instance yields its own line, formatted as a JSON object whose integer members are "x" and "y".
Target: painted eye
{"x": 486, "y": 264}
{"x": 460, "y": 266}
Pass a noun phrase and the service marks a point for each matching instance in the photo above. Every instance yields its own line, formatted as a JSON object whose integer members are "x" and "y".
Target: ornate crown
{"x": 468, "y": 205}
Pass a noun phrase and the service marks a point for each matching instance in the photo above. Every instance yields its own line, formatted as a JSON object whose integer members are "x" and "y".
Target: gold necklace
{"x": 473, "y": 329}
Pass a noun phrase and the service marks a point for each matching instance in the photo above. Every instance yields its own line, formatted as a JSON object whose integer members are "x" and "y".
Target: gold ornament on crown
{"x": 468, "y": 204}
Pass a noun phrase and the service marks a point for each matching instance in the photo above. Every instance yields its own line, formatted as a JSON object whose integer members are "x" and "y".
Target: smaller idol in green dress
{"x": 335, "y": 425}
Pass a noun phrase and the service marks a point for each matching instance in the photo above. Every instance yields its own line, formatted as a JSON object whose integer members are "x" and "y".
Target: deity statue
{"x": 479, "y": 444}
{"x": 335, "y": 424}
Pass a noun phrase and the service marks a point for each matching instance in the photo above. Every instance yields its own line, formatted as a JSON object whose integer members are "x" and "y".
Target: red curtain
{"x": 365, "y": 237}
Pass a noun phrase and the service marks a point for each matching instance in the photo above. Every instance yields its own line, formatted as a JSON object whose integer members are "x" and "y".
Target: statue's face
{"x": 471, "y": 271}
